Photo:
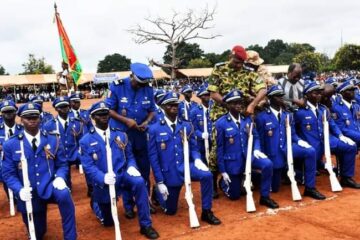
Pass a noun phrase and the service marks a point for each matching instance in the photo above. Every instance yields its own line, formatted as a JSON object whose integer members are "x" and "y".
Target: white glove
{"x": 25, "y": 194}
{"x": 109, "y": 179}
{"x": 200, "y": 165}
{"x": 226, "y": 178}
{"x": 303, "y": 144}
{"x": 133, "y": 172}
{"x": 259, "y": 154}
{"x": 59, "y": 183}
{"x": 346, "y": 140}
{"x": 205, "y": 136}
{"x": 163, "y": 190}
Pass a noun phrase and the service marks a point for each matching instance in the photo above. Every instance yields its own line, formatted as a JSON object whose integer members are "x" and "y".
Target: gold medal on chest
{"x": 163, "y": 146}
{"x": 347, "y": 122}
{"x": 123, "y": 112}
{"x": 231, "y": 140}
{"x": 270, "y": 133}
{"x": 95, "y": 156}
{"x": 308, "y": 127}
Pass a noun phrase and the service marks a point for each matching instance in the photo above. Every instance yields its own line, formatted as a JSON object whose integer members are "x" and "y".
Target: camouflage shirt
{"x": 224, "y": 78}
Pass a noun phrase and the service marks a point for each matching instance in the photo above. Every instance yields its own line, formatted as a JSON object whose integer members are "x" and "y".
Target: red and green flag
{"x": 67, "y": 51}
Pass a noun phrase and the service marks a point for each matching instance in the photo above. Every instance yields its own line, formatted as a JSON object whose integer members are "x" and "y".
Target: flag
{"x": 67, "y": 51}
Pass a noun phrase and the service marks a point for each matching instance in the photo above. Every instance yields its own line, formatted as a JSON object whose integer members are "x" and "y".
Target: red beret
{"x": 239, "y": 52}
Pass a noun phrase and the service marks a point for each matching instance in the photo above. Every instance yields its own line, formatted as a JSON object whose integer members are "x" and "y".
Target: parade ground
{"x": 337, "y": 217}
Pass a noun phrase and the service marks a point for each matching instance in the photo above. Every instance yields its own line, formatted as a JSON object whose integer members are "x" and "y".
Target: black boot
{"x": 209, "y": 217}
{"x": 266, "y": 201}
{"x": 314, "y": 193}
{"x": 149, "y": 232}
{"x": 349, "y": 182}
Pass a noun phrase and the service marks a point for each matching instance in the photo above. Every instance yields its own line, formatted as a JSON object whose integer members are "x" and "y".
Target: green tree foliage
{"x": 216, "y": 58}
{"x": 184, "y": 53}
{"x": 199, "y": 63}
{"x": 312, "y": 60}
{"x": 347, "y": 57}
{"x": 37, "y": 66}
{"x": 114, "y": 63}
{"x": 2, "y": 70}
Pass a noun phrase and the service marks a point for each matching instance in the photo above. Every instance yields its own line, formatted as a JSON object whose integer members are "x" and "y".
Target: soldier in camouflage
{"x": 224, "y": 78}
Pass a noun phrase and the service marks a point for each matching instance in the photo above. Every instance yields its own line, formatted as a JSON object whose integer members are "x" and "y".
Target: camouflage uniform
{"x": 222, "y": 80}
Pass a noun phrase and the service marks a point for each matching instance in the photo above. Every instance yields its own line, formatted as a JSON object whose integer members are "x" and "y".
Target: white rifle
{"x": 206, "y": 141}
{"x": 112, "y": 191}
{"x": 194, "y": 221}
{"x": 250, "y": 205}
{"x": 29, "y": 208}
{"x": 10, "y": 192}
{"x": 334, "y": 182}
{"x": 296, "y": 196}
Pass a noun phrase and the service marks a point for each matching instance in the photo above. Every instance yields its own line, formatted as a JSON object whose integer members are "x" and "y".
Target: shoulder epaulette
{"x": 113, "y": 129}
{"x": 119, "y": 81}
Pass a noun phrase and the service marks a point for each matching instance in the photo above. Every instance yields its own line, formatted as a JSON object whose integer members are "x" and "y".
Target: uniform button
{"x": 174, "y": 137}
{"x": 66, "y": 142}
{"x": 37, "y": 174}
{"x": 36, "y": 156}
{"x": 280, "y": 139}
{"x": 38, "y": 183}
{"x": 36, "y": 165}
{"x": 176, "y": 146}
{"x": 176, "y": 154}
{"x": 135, "y": 102}
{"x": 177, "y": 162}
{"x": 135, "y": 110}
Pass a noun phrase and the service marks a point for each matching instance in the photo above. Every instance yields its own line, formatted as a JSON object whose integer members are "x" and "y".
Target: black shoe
{"x": 266, "y": 201}
{"x": 209, "y": 217}
{"x": 130, "y": 214}
{"x": 149, "y": 232}
{"x": 152, "y": 209}
{"x": 349, "y": 182}
{"x": 313, "y": 193}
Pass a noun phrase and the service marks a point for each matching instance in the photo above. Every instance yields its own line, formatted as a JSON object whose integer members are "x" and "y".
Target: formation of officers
{"x": 144, "y": 129}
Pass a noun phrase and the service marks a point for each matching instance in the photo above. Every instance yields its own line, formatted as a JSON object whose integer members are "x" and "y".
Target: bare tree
{"x": 180, "y": 28}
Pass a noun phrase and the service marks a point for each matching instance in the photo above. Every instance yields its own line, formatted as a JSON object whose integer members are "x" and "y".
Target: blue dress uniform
{"x": 310, "y": 128}
{"x": 69, "y": 137}
{"x": 44, "y": 116}
{"x": 184, "y": 106}
{"x": 134, "y": 104}
{"x": 5, "y": 133}
{"x": 347, "y": 116}
{"x": 82, "y": 114}
{"x": 231, "y": 153}
{"x": 272, "y": 135}
{"x": 93, "y": 158}
{"x": 45, "y": 164}
{"x": 165, "y": 149}
{"x": 197, "y": 119}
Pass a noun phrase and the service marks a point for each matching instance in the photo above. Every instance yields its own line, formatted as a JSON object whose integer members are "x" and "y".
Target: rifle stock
{"x": 250, "y": 204}
{"x": 296, "y": 196}
{"x": 194, "y": 221}
{"x": 112, "y": 191}
{"x": 334, "y": 182}
{"x": 28, "y": 204}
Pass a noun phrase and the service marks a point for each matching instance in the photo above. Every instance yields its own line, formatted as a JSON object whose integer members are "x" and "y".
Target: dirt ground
{"x": 338, "y": 217}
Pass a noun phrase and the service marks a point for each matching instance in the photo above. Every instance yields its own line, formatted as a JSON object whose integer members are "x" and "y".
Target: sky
{"x": 98, "y": 28}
